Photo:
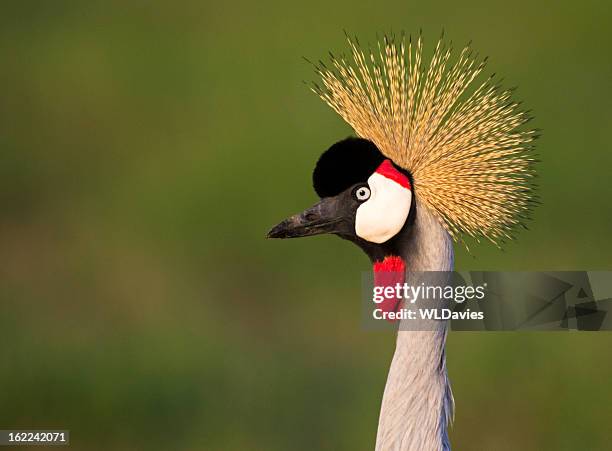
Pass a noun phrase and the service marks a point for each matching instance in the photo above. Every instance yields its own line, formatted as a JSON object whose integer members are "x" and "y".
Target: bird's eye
{"x": 362, "y": 193}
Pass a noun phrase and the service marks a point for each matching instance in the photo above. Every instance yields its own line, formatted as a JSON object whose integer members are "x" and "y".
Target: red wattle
{"x": 388, "y": 273}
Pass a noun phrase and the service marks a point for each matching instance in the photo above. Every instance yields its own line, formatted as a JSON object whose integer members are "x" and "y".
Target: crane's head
{"x": 426, "y": 141}
{"x": 365, "y": 198}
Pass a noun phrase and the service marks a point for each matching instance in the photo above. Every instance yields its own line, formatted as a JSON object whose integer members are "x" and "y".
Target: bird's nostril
{"x": 310, "y": 217}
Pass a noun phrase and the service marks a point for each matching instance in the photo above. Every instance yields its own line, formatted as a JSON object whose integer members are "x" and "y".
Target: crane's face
{"x": 364, "y": 197}
{"x": 385, "y": 204}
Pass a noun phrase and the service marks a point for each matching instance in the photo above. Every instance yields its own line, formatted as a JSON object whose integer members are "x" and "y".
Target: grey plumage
{"x": 418, "y": 403}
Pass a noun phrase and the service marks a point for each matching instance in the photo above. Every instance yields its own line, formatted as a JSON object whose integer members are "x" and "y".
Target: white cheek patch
{"x": 384, "y": 214}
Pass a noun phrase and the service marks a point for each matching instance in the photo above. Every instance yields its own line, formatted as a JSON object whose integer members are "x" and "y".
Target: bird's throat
{"x": 417, "y": 404}
{"x": 388, "y": 273}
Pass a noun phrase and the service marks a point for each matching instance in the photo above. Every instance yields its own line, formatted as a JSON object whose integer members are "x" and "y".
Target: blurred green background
{"x": 147, "y": 147}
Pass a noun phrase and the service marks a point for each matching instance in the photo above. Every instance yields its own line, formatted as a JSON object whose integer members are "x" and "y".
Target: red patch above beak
{"x": 387, "y": 169}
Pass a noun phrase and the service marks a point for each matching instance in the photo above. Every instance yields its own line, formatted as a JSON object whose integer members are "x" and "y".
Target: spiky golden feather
{"x": 469, "y": 154}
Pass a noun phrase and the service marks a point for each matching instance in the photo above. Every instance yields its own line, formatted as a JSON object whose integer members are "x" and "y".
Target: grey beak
{"x": 321, "y": 218}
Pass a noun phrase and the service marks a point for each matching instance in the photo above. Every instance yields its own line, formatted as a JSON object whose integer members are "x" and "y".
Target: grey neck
{"x": 417, "y": 404}
{"x": 426, "y": 245}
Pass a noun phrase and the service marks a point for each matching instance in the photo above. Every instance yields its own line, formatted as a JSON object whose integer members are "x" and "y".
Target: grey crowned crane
{"x": 435, "y": 160}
